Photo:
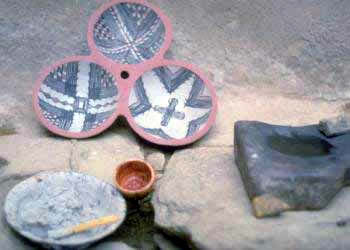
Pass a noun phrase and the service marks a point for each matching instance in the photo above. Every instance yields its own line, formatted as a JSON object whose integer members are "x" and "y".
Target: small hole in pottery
{"x": 124, "y": 74}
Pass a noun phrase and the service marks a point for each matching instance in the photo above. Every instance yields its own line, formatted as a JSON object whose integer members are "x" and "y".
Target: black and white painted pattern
{"x": 129, "y": 33}
{"x": 78, "y": 96}
{"x": 59, "y": 200}
{"x": 170, "y": 102}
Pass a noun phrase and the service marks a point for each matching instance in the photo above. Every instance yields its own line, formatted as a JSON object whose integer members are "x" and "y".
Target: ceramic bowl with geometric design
{"x": 165, "y": 102}
{"x": 171, "y": 104}
{"x": 129, "y": 32}
{"x": 76, "y": 97}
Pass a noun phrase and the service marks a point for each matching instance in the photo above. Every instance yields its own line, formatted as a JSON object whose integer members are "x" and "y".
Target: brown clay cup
{"x": 135, "y": 179}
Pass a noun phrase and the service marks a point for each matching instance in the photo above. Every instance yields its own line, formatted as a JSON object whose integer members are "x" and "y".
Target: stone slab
{"x": 201, "y": 198}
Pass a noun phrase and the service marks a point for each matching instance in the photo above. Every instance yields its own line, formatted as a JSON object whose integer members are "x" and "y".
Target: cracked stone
{"x": 101, "y": 155}
{"x": 157, "y": 161}
{"x": 28, "y": 155}
{"x": 335, "y": 126}
{"x": 290, "y": 168}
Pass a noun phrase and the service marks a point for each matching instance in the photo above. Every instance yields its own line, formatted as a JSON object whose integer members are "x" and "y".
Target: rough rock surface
{"x": 290, "y": 168}
{"x": 112, "y": 246}
{"x": 6, "y": 125}
{"x": 297, "y": 47}
{"x": 26, "y": 155}
{"x": 157, "y": 161}
{"x": 202, "y": 198}
{"x": 100, "y": 157}
{"x": 335, "y": 126}
{"x": 249, "y": 104}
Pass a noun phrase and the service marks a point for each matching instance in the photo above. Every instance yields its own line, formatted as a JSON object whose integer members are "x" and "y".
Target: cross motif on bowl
{"x": 170, "y": 112}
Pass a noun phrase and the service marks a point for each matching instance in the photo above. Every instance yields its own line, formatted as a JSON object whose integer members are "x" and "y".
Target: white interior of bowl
{"x": 56, "y": 201}
{"x": 170, "y": 102}
{"x": 129, "y": 33}
{"x": 78, "y": 96}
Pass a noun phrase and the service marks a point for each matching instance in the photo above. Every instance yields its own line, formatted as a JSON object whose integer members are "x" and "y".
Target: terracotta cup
{"x": 135, "y": 179}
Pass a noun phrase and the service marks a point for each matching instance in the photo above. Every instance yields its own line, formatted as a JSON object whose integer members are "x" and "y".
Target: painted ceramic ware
{"x": 165, "y": 102}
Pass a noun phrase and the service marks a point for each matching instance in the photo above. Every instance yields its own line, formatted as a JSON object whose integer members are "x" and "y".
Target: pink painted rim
{"x": 126, "y": 85}
{"x": 130, "y": 67}
{"x": 174, "y": 142}
{"x": 62, "y": 132}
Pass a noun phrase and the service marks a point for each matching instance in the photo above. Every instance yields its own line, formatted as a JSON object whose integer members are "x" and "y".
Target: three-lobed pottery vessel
{"x": 165, "y": 102}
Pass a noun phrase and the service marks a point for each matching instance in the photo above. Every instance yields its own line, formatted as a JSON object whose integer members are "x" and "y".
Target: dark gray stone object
{"x": 335, "y": 126}
{"x": 58, "y": 200}
{"x": 290, "y": 168}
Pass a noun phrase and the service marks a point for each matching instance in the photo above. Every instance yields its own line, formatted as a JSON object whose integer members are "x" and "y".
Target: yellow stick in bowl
{"x": 61, "y": 233}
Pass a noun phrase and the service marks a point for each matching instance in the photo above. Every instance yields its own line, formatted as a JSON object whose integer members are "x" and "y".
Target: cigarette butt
{"x": 60, "y": 233}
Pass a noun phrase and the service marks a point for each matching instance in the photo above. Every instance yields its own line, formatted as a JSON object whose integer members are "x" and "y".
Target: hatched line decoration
{"x": 88, "y": 99}
{"x": 180, "y": 106}
{"x": 129, "y": 33}
{"x": 165, "y": 102}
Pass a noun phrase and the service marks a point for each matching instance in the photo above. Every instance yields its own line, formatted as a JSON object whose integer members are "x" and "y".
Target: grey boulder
{"x": 290, "y": 168}
{"x": 335, "y": 126}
